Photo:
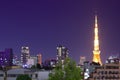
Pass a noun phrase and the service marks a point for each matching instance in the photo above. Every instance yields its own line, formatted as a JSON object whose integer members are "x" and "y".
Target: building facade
{"x": 62, "y": 53}
{"x": 82, "y": 60}
{"x": 12, "y": 74}
{"x": 108, "y": 71}
{"x": 25, "y": 55}
{"x": 89, "y": 68}
{"x": 32, "y": 61}
{"x": 39, "y": 59}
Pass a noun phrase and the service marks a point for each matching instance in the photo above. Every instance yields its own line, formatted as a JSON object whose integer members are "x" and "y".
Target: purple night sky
{"x": 44, "y": 24}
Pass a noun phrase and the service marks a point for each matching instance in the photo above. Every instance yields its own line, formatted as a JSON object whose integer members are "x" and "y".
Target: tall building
{"x": 25, "y": 55}
{"x": 6, "y": 57}
{"x": 96, "y": 51}
{"x": 62, "y": 53}
{"x": 39, "y": 59}
{"x": 82, "y": 60}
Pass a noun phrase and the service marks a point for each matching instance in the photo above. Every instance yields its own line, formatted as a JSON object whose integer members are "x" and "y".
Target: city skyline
{"x": 43, "y": 25}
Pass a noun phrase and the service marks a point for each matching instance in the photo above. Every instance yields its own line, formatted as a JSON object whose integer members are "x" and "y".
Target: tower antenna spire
{"x": 96, "y": 24}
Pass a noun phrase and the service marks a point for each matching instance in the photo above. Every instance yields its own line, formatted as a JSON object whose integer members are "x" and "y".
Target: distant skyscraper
{"x": 82, "y": 60}
{"x": 6, "y": 57}
{"x": 62, "y": 53}
{"x": 96, "y": 51}
{"x": 25, "y": 55}
{"x": 39, "y": 59}
{"x": 31, "y": 61}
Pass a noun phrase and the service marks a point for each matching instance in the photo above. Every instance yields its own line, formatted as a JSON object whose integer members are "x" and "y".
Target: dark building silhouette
{"x": 49, "y": 64}
{"x": 6, "y": 57}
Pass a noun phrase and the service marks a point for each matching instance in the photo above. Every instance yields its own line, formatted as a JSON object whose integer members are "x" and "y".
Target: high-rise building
{"x": 62, "y": 53}
{"x": 6, "y": 57}
{"x": 25, "y": 55}
{"x": 39, "y": 59}
{"x": 96, "y": 51}
{"x": 82, "y": 60}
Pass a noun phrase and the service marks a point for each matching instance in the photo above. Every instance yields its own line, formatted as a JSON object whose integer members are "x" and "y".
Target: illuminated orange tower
{"x": 96, "y": 51}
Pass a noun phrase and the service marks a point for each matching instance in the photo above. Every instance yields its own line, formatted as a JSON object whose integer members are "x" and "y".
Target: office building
{"x": 62, "y": 53}
{"x": 25, "y": 55}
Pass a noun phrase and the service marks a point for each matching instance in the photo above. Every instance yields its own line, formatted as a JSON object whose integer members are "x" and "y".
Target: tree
{"x": 23, "y": 77}
{"x": 33, "y": 67}
{"x": 68, "y": 71}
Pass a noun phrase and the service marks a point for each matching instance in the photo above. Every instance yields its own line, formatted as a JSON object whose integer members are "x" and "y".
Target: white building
{"x": 35, "y": 75}
{"x": 25, "y": 55}
{"x": 82, "y": 60}
{"x": 31, "y": 61}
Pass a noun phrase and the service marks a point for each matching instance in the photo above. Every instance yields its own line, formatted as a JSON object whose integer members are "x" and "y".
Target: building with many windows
{"x": 62, "y": 53}
{"x": 25, "y": 55}
{"x": 109, "y": 71}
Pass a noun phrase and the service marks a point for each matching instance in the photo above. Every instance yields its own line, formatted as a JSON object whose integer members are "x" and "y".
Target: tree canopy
{"x": 66, "y": 71}
{"x": 23, "y": 77}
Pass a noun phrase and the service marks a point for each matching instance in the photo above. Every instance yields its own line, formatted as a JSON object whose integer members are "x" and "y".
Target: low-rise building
{"x": 108, "y": 71}
{"x": 33, "y": 74}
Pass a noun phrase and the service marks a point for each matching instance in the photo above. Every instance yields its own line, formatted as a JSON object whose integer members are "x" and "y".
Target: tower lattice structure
{"x": 96, "y": 51}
